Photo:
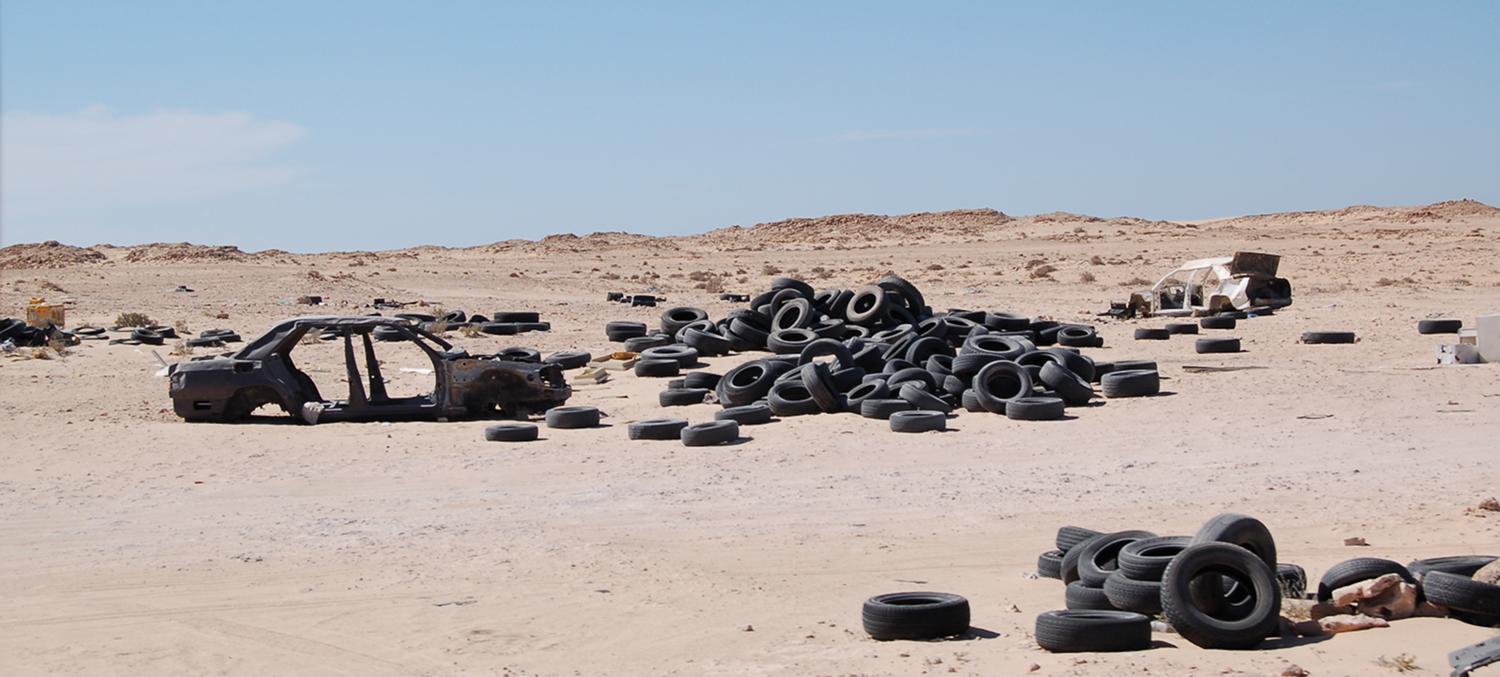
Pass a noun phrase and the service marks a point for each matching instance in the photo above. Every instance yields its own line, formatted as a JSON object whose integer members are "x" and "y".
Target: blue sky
{"x": 357, "y": 125}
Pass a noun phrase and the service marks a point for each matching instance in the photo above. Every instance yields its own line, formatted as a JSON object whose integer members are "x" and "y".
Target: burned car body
{"x": 1245, "y": 281}
{"x": 466, "y": 386}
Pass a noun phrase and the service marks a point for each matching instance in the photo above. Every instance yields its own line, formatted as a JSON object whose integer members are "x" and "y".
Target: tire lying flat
{"x": 915, "y": 615}
{"x": 1075, "y": 631}
{"x": 510, "y": 432}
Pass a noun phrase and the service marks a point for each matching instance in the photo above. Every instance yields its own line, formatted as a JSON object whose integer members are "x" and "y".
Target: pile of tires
{"x": 1462, "y": 586}
{"x": 880, "y": 351}
{"x": 22, "y": 335}
{"x": 1217, "y": 588}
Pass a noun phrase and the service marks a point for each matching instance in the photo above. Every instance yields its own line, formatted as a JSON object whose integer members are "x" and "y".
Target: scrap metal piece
{"x": 1469, "y": 658}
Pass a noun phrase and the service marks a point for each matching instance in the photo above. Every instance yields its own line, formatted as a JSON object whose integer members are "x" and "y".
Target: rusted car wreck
{"x": 466, "y": 386}
{"x": 1245, "y": 281}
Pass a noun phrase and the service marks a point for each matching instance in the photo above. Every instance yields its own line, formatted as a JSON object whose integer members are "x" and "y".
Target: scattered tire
{"x": 1049, "y": 564}
{"x": 915, "y": 615}
{"x": 681, "y": 397}
{"x": 1100, "y": 557}
{"x": 1439, "y": 326}
{"x": 882, "y": 409}
{"x": 873, "y": 389}
{"x": 1242, "y": 530}
{"x": 569, "y": 359}
{"x": 1358, "y": 569}
{"x": 657, "y": 429}
{"x": 657, "y": 368}
{"x": 819, "y": 383}
{"x": 923, "y": 400}
{"x": 1152, "y": 334}
{"x": 747, "y": 414}
{"x": 515, "y": 316}
{"x": 501, "y": 328}
{"x": 970, "y": 401}
{"x": 1462, "y": 565}
{"x": 1461, "y": 593}
{"x": 152, "y": 337}
{"x": 510, "y": 432}
{"x": 790, "y": 341}
{"x": 1327, "y": 337}
{"x": 918, "y": 421}
{"x": 1130, "y": 383}
{"x": 1181, "y": 328}
{"x": 1080, "y": 597}
{"x": 1034, "y": 409}
{"x": 710, "y": 433}
{"x": 701, "y": 379}
{"x": 641, "y": 344}
{"x": 1217, "y": 322}
{"x": 684, "y": 355}
{"x": 1089, "y": 631}
{"x": 1073, "y": 390}
{"x": 791, "y": 398}
{"x": 1147, "y": 558}
{"x": 1215, "y": 628}
{"x": 572, "y": 417}
{"x": 1217, "y": 345}
{"x": 1128, "y": 594}
{"x": 1069, "y": 537}
{"x": 1000, "y": 382}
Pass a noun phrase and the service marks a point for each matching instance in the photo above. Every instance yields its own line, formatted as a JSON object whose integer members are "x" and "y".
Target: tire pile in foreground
{"x": 888, "y": 356}
{"x": 1220, "y": 588}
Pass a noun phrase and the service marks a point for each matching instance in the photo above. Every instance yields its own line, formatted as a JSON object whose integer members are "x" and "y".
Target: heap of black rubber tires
{"x": 881, "y": 351}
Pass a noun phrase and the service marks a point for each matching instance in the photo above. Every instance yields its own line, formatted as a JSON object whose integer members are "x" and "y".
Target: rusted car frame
{"x": 467, "y": 386}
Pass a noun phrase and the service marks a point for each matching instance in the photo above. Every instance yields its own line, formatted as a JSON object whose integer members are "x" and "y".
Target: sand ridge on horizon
{"x": 140, "y": 544}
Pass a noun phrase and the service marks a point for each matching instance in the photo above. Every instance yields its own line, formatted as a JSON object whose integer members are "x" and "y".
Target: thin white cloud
{"x": 902, "y": 134}
{"x": 58, "y": 164}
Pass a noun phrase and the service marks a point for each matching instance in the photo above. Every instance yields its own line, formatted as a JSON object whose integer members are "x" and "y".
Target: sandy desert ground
{"x": 136, "y": 544}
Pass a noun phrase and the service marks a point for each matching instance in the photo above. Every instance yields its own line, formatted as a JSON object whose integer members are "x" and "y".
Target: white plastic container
{"x": 1487, "y": 330}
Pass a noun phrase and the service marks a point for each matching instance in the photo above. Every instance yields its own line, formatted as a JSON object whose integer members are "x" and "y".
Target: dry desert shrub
{"x": 1096, "y": 260}
{"x": 134, "y": 320}
{"x": 1087, "y": 277}
{"x": 1043, "y": 271}
{"x": 1137, "y": 281}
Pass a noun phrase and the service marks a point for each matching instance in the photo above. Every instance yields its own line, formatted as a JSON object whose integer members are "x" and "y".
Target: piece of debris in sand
{"x": 1491, "y": 504}
{"x": 1356, "y": 541}
{"x": 1331, "y": 625}
{"x": 1244, "y": 281}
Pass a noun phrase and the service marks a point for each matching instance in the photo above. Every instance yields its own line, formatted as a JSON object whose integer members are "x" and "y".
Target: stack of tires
{"x": 1458, "y": 584}
{"x": 1217, "y": 588}
{"x": 879, "y": 351}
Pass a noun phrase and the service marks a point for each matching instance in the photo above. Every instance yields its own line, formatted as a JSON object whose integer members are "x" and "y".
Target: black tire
{"x": 1181, "y": 328}
{"x": 920, "y": 421}
{"x": 520, "y": 354}
{"x": 511, "y": 432}
{"x": 657, "y": 429}
{"x": 1008, "y": 347}
{"x": 1100, "y": 557}
{"x": 658, "y": 368}
{"x": 1439, "y": 326}
{"x": 819, "y": 383}
{"x": 867, "y": 306}
{"x": 681, "y": 397}
{"x": 1130, "y": 383}
{"x": 535, "y": 326}
{"x": 684, "y": 355}
{"x": 966, "y": 365}
{"x": 882, "y": 409}
{"x": 908, "y": 293}
{"x": 516, "y": 316}
{"x": 1034, "y": 409}
{"x": 747, "y": 414}
{"x": 1069, "y": 386}
{"x": 503, "y": 329}
{"x": 152, "y": 337}
{"x": 923, "y": 400}
{"x": 564, "y": 418}
{"x": 710, "y": 433}
{"x": 613, "y": 296}
{"x": 1352, "y": 571}
{"x": 1217, "y": 322}
{"x": 1090, "y": 631}
{"x": 1217, "y": 345}
{"x": 1210, "y": 628}
{"x": 1147, "y": 558}
{"x": 803, "y": 289}
{"x": 569, "y": 359}
{"x": 913, "y": 375}
{"x": 1129, "y": 365}
{"x": 749, "y": 382}
{"x": 1080, "y": 597}
{"x": 873, "y": 389}
{"x": 1481, "y": 620}
{"x": 641, "y": 344}
{"x": 1049, "y": 564}
{"x": 1462, "y": 593}
{"x": 1242, "y": 530}
{"x": 204, "y": 342}
{"x": 1068, "y": 537}
{"x": 790, "y": 341}
{"x": 970, "y": 401}
{"x": 706, "y": 342}
{"x": 915, "y": 615}
{"x": 792, "y": 398}
{"x": 1152, "y": 334}
{"x": 1000, "y": 382}
{"x": 1128, "y": 594}
{"x": 1462, "y": 565}
{"x": 674, "y": 320}
{"x": 1071, "y": 557}
{"x": 823, "y": 347}
{"x": 1327, "y": 337}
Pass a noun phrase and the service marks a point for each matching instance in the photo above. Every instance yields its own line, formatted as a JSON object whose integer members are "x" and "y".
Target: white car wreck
{"x": 1245, "y": 281}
